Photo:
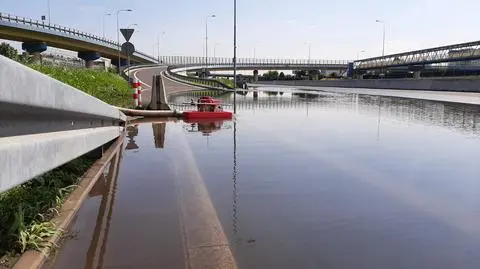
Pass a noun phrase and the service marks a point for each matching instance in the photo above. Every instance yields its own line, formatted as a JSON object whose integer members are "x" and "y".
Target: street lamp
{"x": 309, "y": 50}
{"x": 255, "y": 50}
{"x": 383, "y": 49}
{"x": 103, "y": 25}
{"x": 214, "y": 49}
{"x": 118, "y": 36}
{"x": 358, "y": 54}
{"x": 234, "y": 57}
{"x": 158, "y": 43}
{"x": 48, "y": 4}
{"x": 206, "y": 39}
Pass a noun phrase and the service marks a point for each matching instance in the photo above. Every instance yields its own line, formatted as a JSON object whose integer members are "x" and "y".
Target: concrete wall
{"x": 461, "y": 85}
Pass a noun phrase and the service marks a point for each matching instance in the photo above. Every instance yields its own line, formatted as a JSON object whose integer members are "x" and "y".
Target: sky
{"x": 335, "y": 30}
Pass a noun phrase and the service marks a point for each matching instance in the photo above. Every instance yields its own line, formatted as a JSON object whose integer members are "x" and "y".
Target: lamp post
{"x": 206, "y": 39}
{"x": 48, "y": 3}
{"x": 118, "y": 36}
{"x": 358, "y": 54}
{"x": 234, "y": 57}
{"x": 103, "y": 24}
{"x": 158, "y": 44}
{"x": 383, "y": 49}
{"x": 214, "y": 49}
{"x": 309, "y": 50}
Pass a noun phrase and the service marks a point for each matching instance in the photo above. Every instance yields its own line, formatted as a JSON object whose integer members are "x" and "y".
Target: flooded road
{"x": 299, "y": 180}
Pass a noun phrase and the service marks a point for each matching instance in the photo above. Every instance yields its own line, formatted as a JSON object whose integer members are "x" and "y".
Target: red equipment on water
{"x": 207, "y": 108}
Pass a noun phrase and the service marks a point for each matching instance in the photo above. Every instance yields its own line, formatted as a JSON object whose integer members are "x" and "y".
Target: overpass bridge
{"x": 193, "y": 63}
{"x": 454, "y": 56}
{"x": 37, "y": 35}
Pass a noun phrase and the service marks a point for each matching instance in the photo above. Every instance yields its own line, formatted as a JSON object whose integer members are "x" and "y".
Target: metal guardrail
{"x": 66, "y": 30}
{"x": 46, "y": 123}
{"x": 182, "y": 60}
{"x": 210, "y": 83}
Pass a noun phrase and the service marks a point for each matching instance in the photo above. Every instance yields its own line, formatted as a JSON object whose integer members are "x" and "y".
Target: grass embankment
{"x": 26, "y": 210}
{"x": 106, "y": 86}
{"x": 226, "y": 81}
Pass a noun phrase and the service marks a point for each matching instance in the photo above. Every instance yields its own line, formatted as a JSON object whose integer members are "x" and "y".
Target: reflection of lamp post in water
{"x": 379, "y": 117}
{"x": 234, "y": 179}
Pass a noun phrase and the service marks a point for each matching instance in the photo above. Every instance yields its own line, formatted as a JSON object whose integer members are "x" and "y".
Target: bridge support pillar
{"x": 123, "y": 62}
{"x": 89, "y": 57}
{"x": 35, "y": 49}
{"x": 417, "y": 74}
{"x": 255, "y": 75}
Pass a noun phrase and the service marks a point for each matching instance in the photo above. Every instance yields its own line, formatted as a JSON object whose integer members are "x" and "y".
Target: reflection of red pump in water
{"x": 205, "y": 126}
{"x": 207, "y": 108}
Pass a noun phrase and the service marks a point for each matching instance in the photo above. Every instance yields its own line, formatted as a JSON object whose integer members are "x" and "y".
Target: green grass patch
{"x": 226, "y": 81}
{"x": 106, "y": 86}
{"x": 26, "y": 210}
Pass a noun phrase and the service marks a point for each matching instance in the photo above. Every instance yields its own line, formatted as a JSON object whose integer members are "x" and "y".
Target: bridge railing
{"x": 210, "y": 83}
{"x": 66, "y": 30}
{"x": 179, "y": 60}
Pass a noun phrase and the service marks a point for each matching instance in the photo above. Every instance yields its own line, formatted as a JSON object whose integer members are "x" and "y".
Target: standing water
{"x": 298, "y": 180}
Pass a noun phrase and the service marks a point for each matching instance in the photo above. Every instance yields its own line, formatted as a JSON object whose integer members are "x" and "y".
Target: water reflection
{"x": 235, "y": 190}
{"x": 461, "y": 117}
{"x": 97, "y": 249}
{"x": 159, "y": 134}
{"x": 206, "y": 127}
{"x": 132, "y": 132}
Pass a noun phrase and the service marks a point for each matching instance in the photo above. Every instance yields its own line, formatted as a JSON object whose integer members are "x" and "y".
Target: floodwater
{"x": 299, "y": 180}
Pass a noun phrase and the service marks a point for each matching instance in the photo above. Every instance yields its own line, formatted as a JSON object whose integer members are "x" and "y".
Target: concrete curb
{"x": 205, "y": 242}
{"x": 35, "y": 259}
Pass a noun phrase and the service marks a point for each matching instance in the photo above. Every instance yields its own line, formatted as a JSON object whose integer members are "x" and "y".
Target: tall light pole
{"x": 234, "y": 57}
{"x": 158, "y": 44}
{"x": 358, "y": 54}
{"x": 383, "y": 49}
{"x": 118, "y": 36}
{"x": 309, "y": 50}
{"x": 214, "y": 49}
{"x": 103, "y": 24}
{"x": 255, "y": 50}
{"x": 48, "y": 4}
{"x": 206, "y": 39}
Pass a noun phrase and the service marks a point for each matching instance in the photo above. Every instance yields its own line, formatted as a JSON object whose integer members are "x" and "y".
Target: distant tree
{"x": 271, "y": 75}
{"x": 281, "y": 76}
{"x": 8, "y": 51}
{"x": 333, "y": 75}
{"x": 300, "y": 73}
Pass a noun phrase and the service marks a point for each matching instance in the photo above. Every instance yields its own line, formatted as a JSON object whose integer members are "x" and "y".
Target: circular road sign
{"x": 128, "y": 48}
